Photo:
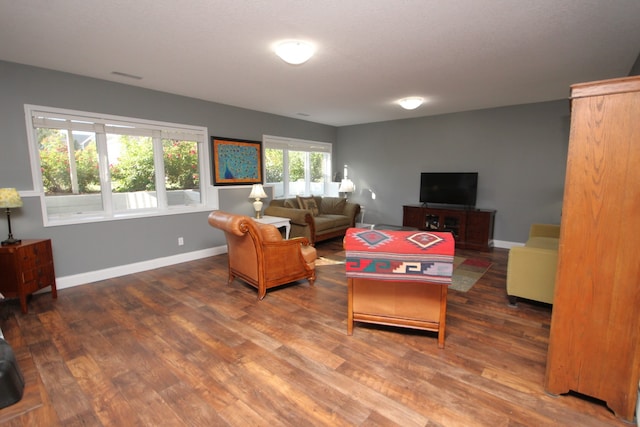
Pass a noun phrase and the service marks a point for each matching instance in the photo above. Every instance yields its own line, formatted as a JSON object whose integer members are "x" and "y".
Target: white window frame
{"x": 208, "y": 198}
{"x": 293, "y": 144}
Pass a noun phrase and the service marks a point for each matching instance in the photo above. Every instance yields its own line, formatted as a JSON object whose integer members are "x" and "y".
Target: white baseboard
{"x": 122, "y": 270}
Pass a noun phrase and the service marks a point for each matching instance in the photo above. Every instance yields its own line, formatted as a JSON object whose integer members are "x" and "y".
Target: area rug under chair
{"x": 466, "y": 271}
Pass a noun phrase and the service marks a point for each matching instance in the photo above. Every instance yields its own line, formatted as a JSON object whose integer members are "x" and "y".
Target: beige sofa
{"x": 531, "y": 269}
{"x": 315, "y": 217}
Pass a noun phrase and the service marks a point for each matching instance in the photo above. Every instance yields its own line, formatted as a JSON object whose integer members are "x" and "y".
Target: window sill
{"x": 91, "y": 218}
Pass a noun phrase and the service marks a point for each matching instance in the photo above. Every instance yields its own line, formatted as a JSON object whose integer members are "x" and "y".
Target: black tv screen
{"x": 449, "y": 188}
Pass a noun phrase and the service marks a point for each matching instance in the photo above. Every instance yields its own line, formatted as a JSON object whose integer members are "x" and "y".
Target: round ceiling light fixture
{"x": 294, "y": 52}
{"x": 411, "y": 103}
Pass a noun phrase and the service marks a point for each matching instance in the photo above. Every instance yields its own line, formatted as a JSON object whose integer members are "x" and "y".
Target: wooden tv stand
{"x": 471, "y": 228}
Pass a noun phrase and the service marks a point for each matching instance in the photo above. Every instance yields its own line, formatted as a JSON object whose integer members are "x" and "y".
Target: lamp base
{"x": 11, "y": 241}
{"x": 257, "y": 206}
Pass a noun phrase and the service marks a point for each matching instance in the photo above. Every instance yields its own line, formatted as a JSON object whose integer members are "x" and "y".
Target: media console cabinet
{"x": 471, "y": 228}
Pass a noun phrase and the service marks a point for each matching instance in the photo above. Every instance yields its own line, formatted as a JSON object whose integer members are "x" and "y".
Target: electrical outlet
{"x": 180, "y": 241}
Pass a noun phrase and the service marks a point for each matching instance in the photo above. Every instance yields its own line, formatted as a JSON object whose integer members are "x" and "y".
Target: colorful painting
{"x": 236, "y": 161}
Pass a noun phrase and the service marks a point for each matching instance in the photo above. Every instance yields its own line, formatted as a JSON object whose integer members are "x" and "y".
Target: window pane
{"x": 274, "y": 165}
{"x": 182, "y": 172}
{"x": 297, "y": 169}
{"x": 318, "y": 172}
{"x": 132, "y": 172}
{"x": 71, "y": 183}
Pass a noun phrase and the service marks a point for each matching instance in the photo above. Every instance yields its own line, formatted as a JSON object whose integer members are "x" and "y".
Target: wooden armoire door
{"x": 594, "y": 344}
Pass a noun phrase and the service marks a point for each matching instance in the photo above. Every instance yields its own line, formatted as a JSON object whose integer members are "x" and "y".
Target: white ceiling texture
{"x": 458, "y": 54}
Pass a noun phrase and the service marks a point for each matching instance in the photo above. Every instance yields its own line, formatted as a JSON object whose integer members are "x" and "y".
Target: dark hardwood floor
{"x": 178, "y": 346}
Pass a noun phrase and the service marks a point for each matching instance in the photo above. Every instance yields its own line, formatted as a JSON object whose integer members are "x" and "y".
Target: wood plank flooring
{"x": 178, "y": 346}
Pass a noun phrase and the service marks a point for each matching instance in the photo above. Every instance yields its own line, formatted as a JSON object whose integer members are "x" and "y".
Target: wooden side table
{"x": 26, "y": 268}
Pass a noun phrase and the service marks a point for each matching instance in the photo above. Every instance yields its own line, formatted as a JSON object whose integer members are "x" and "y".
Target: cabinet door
{"x": 413, "y": 216}
{"x": 9, "y": 272}
{"x": 433, "y": 222}
{"x": 455, "y": 223}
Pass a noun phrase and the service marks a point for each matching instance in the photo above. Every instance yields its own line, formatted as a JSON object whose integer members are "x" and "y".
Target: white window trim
{"x": 280, "y": 142}
{"x": 208, "y": 193}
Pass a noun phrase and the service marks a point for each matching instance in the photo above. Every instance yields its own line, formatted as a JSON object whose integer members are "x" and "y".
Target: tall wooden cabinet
{"x": 594, "y": 344}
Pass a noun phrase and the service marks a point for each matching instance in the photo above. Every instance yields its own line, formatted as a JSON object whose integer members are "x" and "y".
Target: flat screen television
{"x": 449, "y": 188}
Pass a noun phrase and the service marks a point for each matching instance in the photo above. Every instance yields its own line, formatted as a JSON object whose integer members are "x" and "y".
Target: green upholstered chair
{"x": 531, "y": 269}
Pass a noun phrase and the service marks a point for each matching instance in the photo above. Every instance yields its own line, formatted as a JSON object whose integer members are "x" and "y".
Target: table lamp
{"x": 257, "y": 192}
{"x": 10, "y": 198}
{"x": 346, "y": 186}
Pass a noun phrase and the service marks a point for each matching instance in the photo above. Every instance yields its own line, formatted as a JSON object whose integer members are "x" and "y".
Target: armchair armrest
{"x": 531, "y": 273}
{"x": 290, "y": 243}
{"x": 284, "y": 258}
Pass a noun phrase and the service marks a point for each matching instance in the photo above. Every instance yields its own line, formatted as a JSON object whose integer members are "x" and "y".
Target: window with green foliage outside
{"x": 296, "y": 167}
{"x": 92, "y": 166}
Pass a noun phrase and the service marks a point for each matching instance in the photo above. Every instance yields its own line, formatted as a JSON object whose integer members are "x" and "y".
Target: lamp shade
{"x": 346, "y": 186}
{"x": 10, "y": 198}
{"x": 257, "y": 192}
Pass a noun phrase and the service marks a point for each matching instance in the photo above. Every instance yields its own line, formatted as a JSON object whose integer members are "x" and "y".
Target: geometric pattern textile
{"x": 398, "y": 255}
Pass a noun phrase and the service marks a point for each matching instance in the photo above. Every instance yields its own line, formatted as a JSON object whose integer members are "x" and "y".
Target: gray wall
{"x": 635, "y": 69}
{"x": 519, "y": 152}
{"x": 89, "y": 247}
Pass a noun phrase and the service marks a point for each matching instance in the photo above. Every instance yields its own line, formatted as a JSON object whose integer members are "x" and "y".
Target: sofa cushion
{"x": 333, "y": 205}
{"x": 309, "y": 203}
{"x": 328, "y": 222}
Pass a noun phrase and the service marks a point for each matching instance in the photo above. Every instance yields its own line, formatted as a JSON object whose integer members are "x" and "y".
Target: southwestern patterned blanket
{"x": 399, "y": 255}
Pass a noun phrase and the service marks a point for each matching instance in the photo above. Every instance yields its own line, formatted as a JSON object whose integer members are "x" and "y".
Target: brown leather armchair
{"x": 260, "y": 256}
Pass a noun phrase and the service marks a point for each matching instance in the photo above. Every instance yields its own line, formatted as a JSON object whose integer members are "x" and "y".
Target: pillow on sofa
{"x": 308, "y": 203}
{"x": 288, "y": 203}
{"x": 332, "y": 205}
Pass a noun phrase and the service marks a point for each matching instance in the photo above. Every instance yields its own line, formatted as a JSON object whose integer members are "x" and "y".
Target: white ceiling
{"x": 458, "y": 54}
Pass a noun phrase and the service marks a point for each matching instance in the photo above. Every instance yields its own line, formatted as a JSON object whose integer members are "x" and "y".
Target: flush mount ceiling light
{"x": 411, "y": 103}
{"x": 294, "y": 52}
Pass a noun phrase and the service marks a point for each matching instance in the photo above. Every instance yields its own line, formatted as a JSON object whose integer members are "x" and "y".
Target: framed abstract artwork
{"x": 236, "y": 161}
